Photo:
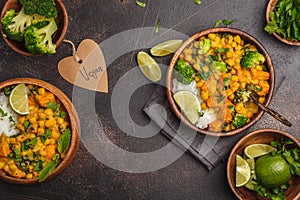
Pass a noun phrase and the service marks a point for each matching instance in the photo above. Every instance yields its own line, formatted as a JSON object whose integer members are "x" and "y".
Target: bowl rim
{"x": 245, "y": 138}
{"x": 57, "y": 43}
{"x": 175, "y": 57}
{"x": 74, "y": 121}
{"x": 270, "y": 7}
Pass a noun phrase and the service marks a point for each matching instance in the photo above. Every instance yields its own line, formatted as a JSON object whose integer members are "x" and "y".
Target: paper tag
{"x": 91, "y": 73}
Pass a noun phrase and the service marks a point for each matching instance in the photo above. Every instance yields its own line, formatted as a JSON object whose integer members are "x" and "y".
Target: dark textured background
{"x": 186, "y": 178}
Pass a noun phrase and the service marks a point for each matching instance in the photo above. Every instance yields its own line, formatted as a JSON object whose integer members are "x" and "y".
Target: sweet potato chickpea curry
{"x": 43, "y": 139}
{"x": 226, "y": 69}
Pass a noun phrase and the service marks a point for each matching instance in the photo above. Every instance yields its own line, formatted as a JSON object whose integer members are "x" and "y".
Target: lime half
{"x": 18, "y": 100}
{"x": 242, "y": 173}
{"x": 166, "y": 48}
{"x": 256, "y": 150}
{"x": 148, "y": 66}
{"x": 189, "y": 105}
{"x": 272, "y": 171}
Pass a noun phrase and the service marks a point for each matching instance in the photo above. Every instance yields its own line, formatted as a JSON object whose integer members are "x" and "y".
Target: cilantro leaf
{"x": 141, "y": 4}
{"x": 3, "y": 114}
{"x": 198, "y": 2}
{"x": 157, "y": 25}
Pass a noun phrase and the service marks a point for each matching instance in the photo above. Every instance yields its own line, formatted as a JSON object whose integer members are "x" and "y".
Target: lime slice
{"x": 18, "y": 100}
{"x": 148, "y": 66}
{"x": 250, "y": 184}
{"x": 256, "y": 150}
{"x": 251, "y": 163}
{"x": 166, "y": 48}
{"x": 189, "y": 105}
{"x": 242, "y": 173}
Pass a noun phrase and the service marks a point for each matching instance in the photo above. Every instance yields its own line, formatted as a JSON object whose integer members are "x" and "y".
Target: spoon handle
{"x": 272, "y": 112}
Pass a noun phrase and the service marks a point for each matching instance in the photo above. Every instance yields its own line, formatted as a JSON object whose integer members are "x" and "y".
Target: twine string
{"x": 74, "y": 52}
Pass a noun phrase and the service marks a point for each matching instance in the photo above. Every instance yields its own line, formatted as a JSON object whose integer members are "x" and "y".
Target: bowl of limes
{"x": 265, "y": 164}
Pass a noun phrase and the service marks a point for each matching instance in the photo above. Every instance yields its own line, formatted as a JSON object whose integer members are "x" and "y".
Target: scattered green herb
{"x": 220, "y": 98}
{"x": 222, "y": 50}
{"x": 254, "y": 87}
{"x": 11, "y": 120}
{"x": 47, "y": 134}
{"x": 198, "y": 2}
{"x": 3, "y": 114}
{"x": 28, "y": 144}
{"x": 52, "y": 105}
{"x": 231, "y": 107}
{"x": 157, "y": 25}
{"x": 63, "y": 114}
{"x": 26, "y": 124}
{"x": 225, "y": 22}
{"x": 141, "y": 4}
{"x": 38, "y": 166}
{"x": 7, "y": 91}
{"x": 15, "y": 155}
{"x": 227, "y": 82}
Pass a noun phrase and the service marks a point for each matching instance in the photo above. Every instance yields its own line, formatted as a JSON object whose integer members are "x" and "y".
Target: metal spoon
{"x": 276, "y": 115}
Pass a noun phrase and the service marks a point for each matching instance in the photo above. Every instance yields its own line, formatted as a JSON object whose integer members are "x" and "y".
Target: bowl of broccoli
{"x": 33, "y": 27}
{"x": 218, "y": 69}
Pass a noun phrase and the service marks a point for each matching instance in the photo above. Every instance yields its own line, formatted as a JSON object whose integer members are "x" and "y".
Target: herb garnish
{"x": 224, "y": 21}
{"x": 49, "y": 168}
{"x": 64, "y": 141}
{"x": 157, "y": 25}
{"x": 3, "y": 114}
{"x": 141, "y": 4}
{"x": 198, "y": 2}
{"x": 52, "y": 105}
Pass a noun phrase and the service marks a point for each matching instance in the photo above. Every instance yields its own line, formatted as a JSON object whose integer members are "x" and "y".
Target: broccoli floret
{"x": 39, "y": 40}
{"x": 204, "y": 46}
{"x": 251, "y": 59}
{"x": 184, "y": 72}
{"x": 14, "y": 24}
{"x": 220, "y": 66}
{"x": 45, "y": 8}
{"x": 239, "y": 120}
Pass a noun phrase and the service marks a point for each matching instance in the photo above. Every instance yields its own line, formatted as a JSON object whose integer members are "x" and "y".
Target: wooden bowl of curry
{"x": 219, "y": 81}
{"x": 40, "y": 144}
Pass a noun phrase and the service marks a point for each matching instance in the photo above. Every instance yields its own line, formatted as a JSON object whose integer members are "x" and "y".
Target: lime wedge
{"x": 242, "y": 173}
{"x": 189, "y": 105}
{"x": 251, "y": 163}
{"x": 250, "y": 184}
{"x": 148, "y": 66}
{"x": 18, "y": 100}
{"x": 166, "y": 48}
{"x": 256, "y": 150}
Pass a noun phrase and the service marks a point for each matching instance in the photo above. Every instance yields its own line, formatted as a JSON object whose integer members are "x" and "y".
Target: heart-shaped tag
{"x": 91, "y": 72}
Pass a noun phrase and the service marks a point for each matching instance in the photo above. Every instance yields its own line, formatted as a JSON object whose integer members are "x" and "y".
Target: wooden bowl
{"x": 74, "y": 125}
{"x": 58, "y": 37}
{"x": 264, "y": 136}
{"x": 169, "y": 77}
{"x": 270, "y": 7}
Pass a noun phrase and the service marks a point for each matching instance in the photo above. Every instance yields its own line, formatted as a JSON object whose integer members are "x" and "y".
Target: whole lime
{"x": 272, "y": 171}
